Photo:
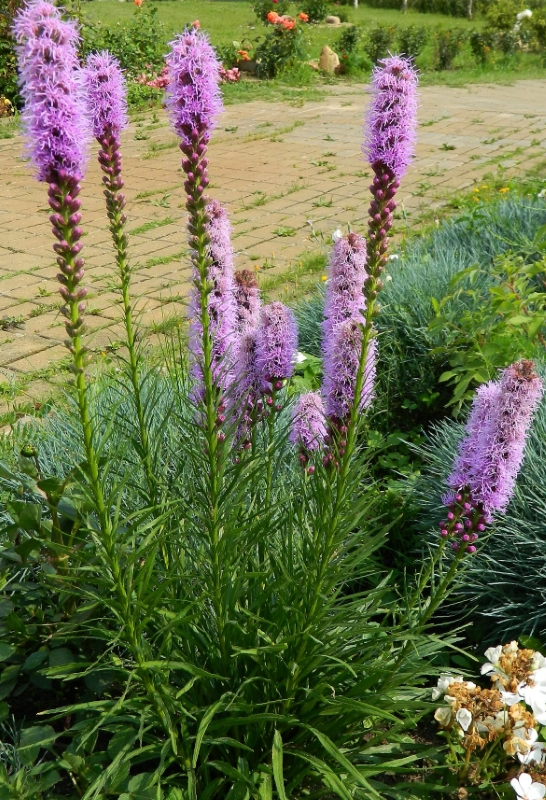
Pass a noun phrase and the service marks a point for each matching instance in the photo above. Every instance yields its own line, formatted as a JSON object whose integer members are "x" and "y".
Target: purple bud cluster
{"x": 193, "y": 103}
{"x": 465, "y": 520}
{"x": 221, "y": 305}
{"x": 248, "y": 384}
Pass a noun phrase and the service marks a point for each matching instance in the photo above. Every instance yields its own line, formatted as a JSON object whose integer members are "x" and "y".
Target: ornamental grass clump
{"x": 209, "y": 617}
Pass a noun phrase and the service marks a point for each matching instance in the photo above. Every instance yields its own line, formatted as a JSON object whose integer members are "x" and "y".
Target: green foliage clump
{"x": 447, "y": 47}
{"x": 8, "y": 63}
{"x": 379, "y": 41}
{"x": 281, "y": 49}
{"x": 412, "y": 39}
{"x": 262, "y": 8}
{"x": 139, "y": 45}
{"x": 316, "y": 10}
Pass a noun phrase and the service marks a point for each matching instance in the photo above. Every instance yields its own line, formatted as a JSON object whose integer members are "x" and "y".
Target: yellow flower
{"x": 324, "y": 277}
{"x": 504, "y": 189}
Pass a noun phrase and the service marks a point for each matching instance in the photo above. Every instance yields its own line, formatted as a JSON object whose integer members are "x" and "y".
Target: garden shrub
{"x": 264, "y": 7}
{"x": 447, "y": 47}
{"x": 8, "y": 65}
{"x": 349, "y": 40}
{"x": 282, "y": 48}
{"x": 481, "y": 43}
{"x": 412, "y": 39}
{"x": 379, "y": 41}
{"x": 316, "y": 10}
{"x": 138, "y": 45}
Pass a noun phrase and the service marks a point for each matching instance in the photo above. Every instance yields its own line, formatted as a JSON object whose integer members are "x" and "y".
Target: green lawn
{"x": 233, "y": 20}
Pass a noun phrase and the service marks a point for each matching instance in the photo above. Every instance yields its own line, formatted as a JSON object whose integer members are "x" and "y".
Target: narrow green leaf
{"x": 277, "y": 760}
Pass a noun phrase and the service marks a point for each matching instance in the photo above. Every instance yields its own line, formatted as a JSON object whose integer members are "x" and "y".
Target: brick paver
{"x": 289, "y": 177}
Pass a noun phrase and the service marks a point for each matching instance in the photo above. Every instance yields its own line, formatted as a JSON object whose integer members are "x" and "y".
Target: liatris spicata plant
{"x": 221, "y": 306}
{"x": 308, "y": 426}
{"x": 55, "y": 123}
{"x": 491, "y": 453}
{"x": 389, "y": 146}
{"x": 247, "y": 301}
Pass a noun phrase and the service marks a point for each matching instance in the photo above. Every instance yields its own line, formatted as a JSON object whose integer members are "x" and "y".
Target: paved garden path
{"x": 289, "y": 175}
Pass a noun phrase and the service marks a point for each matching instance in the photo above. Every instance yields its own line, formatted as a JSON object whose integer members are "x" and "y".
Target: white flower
{"x": 535, "y": 753}
{"x": 511, "y": 698}
{"x": 535, "y": 697}
{"x": 444, "y": 682}
{"x": 443, "y": 716}
{"x": 336, "y": 235}
{"x": 538, "y": 661}
{"x": 300, "y": 358}
{"x": 523, "y": 743}
{"x": 495, "y": 723}
{"x": 542, "y": 193}
{"x": 527, "y": 789}
{"x": 527, "y": 14}
{"x": 394, "y": 257}
{"x": 464, "y": 718}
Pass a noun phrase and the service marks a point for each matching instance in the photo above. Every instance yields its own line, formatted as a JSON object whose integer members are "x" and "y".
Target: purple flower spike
{"x": 491, "y": 453}
{"x": 221, "y": 303}
{"x": 193, "y": 96}
{"x": 55, "y": 122}
{"x": 309, "y": 423}
{"x": 276, "y": 343}
{"x": 501, "y": 446}
{"x": 247, "y": 299}
{"x": 389, "y": 144}
{"x": 483, "y": 404}
{"x": 392, "y": 116}
{"x": 105, "y": 93}
{"x": 54, "y": 114}
{"x": 340, "y": 380}
{"x": 345, "y": 289}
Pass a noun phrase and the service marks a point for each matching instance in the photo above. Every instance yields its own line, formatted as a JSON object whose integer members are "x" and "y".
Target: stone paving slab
{"x": 289, "y": 176}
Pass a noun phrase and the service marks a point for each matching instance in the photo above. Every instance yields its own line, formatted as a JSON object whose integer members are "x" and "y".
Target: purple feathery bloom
{"x": 276, "y": 343}
{"x": 308, "y": 422}
{"x": 345, "y": 288}
{"x": 392, "y": 115}
{"x": 105, "y": 92}
{"x": 501, "y": 445}
{"x": 340, "y": 380}
{"x": 193, "y": 95}
{"x": 247, "y": 300}
{"x": 221, "y": 302}
{"x": 54, "y": 113}
{"x": 485, "y": 400}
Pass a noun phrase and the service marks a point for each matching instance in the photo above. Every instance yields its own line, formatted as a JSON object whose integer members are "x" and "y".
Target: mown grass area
{"x": 233, "y": 20}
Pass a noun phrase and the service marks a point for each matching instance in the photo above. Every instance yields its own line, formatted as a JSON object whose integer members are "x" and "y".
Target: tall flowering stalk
{"x": 389, "y": 145}
{"x": 193, "y": 103}
{"x": 55, "y": 119}
{"x": 106, "y": 99}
